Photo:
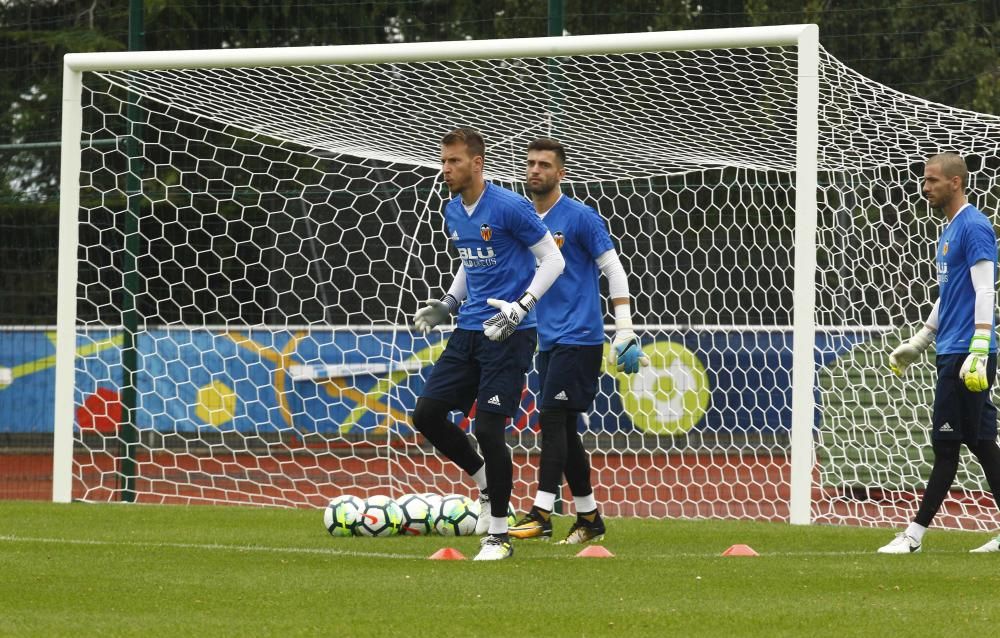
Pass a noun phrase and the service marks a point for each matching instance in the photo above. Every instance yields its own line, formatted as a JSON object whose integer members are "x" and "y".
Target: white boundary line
{"x": 12, "y": 538}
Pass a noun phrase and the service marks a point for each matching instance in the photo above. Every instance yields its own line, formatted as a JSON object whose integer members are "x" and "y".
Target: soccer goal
{"x": 245, "y": 234}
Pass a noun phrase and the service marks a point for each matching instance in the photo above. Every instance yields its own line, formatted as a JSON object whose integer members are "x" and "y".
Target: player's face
{"x": 543, "y": 172}
{"x": 458, "y": 167}
{"x": 938, "y": 189}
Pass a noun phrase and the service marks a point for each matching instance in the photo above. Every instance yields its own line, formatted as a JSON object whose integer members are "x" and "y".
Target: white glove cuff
{"x": 623, "y": 312}
{"x": 922, "y": 339}
{"x": 622, "y": 321}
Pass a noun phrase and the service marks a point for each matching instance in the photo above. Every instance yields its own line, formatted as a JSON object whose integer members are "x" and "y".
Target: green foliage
{"x": 946, "y": 51}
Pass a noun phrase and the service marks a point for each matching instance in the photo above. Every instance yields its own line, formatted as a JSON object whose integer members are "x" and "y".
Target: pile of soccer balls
{"x": 410, "y": 515}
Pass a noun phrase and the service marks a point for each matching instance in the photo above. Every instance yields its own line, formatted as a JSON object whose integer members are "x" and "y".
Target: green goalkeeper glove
{"x": 973, "y": 371}
{"x": 908, "y": 351}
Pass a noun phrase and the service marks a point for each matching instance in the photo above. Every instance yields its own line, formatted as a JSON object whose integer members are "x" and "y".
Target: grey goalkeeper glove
{"x": 504, "y": 323}
{"x": 909, "y": 351}
{"x": 433, "y": 313}
{"x": 973, "y": 370}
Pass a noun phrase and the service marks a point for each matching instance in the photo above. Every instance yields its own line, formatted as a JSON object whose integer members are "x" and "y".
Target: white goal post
{"x": 273, "y": 216}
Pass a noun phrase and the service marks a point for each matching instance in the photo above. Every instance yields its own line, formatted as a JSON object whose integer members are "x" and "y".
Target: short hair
{"x": 549, "y": 144}
{"x": 472, "y": 139}
{"x": 952, "y": 165}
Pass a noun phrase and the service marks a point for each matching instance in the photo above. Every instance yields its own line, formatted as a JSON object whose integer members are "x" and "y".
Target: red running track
{"x": 721, "y": 486}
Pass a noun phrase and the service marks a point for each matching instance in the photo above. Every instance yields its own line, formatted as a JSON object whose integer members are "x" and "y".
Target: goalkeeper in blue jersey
{"x": 571, "y": 344}
{"x": 963, "y": 321}
{"x": 499, "y": 239}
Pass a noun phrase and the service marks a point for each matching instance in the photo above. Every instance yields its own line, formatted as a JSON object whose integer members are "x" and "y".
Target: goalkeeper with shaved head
{"x": 962, "y": 321}
{"x": 571, "y": 344}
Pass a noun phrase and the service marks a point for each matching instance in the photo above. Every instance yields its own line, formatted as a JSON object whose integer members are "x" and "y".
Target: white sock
{"x": 585, "y": 503}
{"x": 498, "y": 525}
{"x": 916, "y": 532}
{"x": 480, "y": 477}
{"x": 545, "y": 501}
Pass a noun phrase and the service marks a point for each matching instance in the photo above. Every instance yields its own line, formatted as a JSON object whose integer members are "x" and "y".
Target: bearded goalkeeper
{"x": 571, "y": 344}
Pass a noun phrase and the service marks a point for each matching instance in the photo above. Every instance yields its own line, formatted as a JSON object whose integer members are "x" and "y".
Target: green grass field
{"x": 112, "y": 570}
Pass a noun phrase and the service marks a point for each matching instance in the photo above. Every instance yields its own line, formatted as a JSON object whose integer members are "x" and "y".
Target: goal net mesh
{"x": 289, "y": 223}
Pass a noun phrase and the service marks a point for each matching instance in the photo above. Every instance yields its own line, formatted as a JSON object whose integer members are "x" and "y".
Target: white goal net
{"x": 274, "y": 226}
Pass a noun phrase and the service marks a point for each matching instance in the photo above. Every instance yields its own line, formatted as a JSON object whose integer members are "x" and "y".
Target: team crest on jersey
{"x": 944, "y": 249}
{"x": 560, "y": 238}
{"x": 486, "y": 232}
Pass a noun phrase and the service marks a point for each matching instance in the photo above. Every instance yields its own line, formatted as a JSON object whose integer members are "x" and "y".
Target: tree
{"x": 946, "y": 52}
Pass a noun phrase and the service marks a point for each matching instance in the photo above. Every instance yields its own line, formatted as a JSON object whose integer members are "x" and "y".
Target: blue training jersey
{"x": 967, "y": 239}
{"x": 571, "y": 313}
{"x": 494, "y": 244}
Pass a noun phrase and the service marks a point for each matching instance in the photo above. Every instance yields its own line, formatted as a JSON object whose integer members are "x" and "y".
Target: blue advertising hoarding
{"x": 349, "y": 381}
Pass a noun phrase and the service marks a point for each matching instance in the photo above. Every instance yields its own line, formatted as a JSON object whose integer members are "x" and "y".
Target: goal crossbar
{"x": 609, "y": 44}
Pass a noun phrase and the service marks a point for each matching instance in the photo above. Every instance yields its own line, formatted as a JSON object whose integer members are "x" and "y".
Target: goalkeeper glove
{"x": 908, "y": 351}
{"x": 626, "y": 349}
{"x": 433, "y": 313}
{"x": 973, "y": 371}
{"x": 504, "y": 323}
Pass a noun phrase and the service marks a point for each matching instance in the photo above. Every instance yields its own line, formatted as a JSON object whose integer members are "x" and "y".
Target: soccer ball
{"x": 456, "y": 516}
{"x": 342, "y": 515}
{"x": 381, "y": 516}
{"x": 433, "y": 507}
{"x": 433, "y": 502}
{"x": 416, "y": 513}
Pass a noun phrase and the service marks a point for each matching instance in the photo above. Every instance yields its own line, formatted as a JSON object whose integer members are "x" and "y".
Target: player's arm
{"x": 511, "y": 313}
{"x": 626, "y": 349}
{"x": 973, "y": 370}
{"x": 908, "y": 351}
{"x": 437, "y": 311}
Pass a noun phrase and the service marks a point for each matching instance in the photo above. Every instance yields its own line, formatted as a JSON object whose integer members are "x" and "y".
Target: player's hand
{"x": 504, "y": 323}
{"x": 433, "y": 313}
{"x": 909, "y": 351}
{"x": 973, "y": 371}
{"x": 902, "y": 357}
{"x": 626, "y": 352}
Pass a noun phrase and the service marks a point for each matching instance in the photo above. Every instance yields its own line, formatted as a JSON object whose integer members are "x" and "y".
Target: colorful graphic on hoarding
{"x": 671, "y": 395}
{"x": 352, "y": 382}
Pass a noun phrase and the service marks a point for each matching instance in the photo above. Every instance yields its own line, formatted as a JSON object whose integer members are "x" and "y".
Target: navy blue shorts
{"x": 568, "y": 376}
{"x": 474, "y": 368}
{"x": 961, "y": 415}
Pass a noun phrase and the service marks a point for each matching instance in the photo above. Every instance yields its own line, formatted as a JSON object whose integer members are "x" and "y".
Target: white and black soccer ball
{"x": 416, "y": 512}
{"x": 342, "y": 515}
{"x": 433, "y": 502}
{"x": 456, "y": 516}
{"x": 381, "y": 516}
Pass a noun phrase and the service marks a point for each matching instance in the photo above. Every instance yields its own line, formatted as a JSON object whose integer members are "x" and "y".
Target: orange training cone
{"x": 740, "y": 550}
{"x": 447, "y": 553}
{"x": 594, "y": 551}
